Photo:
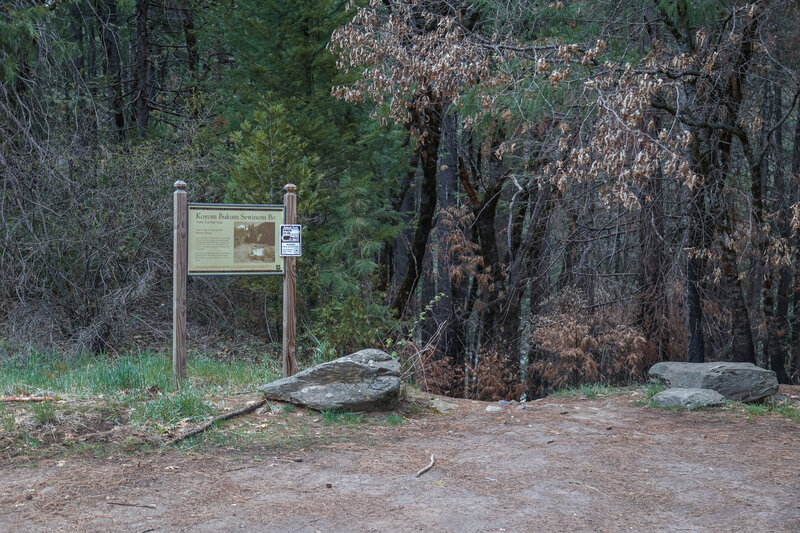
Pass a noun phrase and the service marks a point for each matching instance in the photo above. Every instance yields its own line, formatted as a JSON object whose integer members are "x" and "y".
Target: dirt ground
{"x": 561, "y": 464}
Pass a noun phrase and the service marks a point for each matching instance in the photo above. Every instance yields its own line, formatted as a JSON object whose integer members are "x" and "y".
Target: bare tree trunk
{"x": 141, "y": 108}
{"x": 429, "y": 154}
{"x": 112, "y": 67}
{"x": 775, "y": 316}
{"x": 450, "y": 308}
{"x": 190, "y": 36}
{"x": 794, "y": 367}
{"x": 527, "y": 270}
{"x": 653, "y": 299}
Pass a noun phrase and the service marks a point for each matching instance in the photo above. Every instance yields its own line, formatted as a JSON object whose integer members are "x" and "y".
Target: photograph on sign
{"x": 291, "y": 240}
{"x": 234, "y": 239}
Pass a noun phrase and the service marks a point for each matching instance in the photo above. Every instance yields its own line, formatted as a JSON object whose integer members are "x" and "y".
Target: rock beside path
{"x": 688, "y": 398}
{"x": 442, "y": 406}
{"x": 368, "y": 380}
{"x": 734, "y": 381}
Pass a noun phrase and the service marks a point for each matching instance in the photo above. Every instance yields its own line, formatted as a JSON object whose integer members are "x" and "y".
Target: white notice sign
{"x": 291, "y": 245}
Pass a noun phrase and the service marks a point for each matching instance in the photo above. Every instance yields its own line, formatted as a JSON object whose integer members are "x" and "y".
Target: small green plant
{"x": 321, "y": 351}
{"x": 587, "y": 390}
{"x": 44, "y": 413}
{"x": 396, "y": 347}
{"x": 394, "y": 420}
{"x": 653, "y": 388}
{"x": 186, "y": 404}
{"x": 783, "y": 408}
{"x": 7, "y": 421}
{"x": 287, "y": 408}
{"x": 757, "y": 409}
{"x": 338, "y": 418}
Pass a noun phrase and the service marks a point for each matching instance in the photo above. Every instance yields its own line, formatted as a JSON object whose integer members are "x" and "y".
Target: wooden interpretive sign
{"x": 234, "y": 239}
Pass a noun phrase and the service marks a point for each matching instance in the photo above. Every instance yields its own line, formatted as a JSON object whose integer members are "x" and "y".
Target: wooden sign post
{"x": 179, "y": 262}
{"x": 289, "y": 290}
{"x": 211, "y": 224}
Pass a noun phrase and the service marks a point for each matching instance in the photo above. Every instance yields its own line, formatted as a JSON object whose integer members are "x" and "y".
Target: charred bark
{"x": 431, "y": 122}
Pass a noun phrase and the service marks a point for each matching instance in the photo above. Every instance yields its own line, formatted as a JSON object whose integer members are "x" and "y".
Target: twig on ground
{"x": 587, "y": 486}
{"x": 145, "y": 505}
{"x": 243, "y": 411}
{"x": 426, "y": 468}
{"x": 25, "y": 398}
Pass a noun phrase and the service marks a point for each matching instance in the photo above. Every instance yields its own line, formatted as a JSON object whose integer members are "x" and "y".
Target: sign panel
{"x": 291, "y": 245}
{"x": 234, "y": 239}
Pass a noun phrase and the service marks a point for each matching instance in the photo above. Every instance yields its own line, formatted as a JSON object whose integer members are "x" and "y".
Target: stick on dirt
{"x": 25, "y": 399}
{"x": 145, "y": 505}
{"x": 243, "y": 411}
{"x": 426, "y": 468}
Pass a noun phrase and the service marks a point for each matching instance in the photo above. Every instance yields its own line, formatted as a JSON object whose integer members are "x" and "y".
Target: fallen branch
{"x": 25, "y": 398}
{"x": 145, "y": 505}
{"x": 243, "y": 411}
{"x": 426, "y": 468}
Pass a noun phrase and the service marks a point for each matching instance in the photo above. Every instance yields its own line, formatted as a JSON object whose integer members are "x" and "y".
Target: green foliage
{"x": 338, "y": 418}
{"x": 394, "y": 420}
{"x": 270, "y": 154}
{"x": 349, "y": 324}
{"x": 168, "y": 409}
{"x": 690, "y": 14}
{"x": 43, "y": 412}
{"x": 280, "y": 48}
{"x": 587, "y": 390}
{"x": 129, "y": 373}
{"x": 653, "y": 388}
{"x": 7, "y": 420}
{"x": 769, "y": 406}
{"x": 86, "y": 374}
{"x": 344, "y": 227}
{"x": 19, "y": 40}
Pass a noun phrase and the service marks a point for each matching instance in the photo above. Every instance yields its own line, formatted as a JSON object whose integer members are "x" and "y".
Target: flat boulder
{"x": 735, "y": 381}
{"x": 368, "y": 380}
{"x": 688, "y": 398}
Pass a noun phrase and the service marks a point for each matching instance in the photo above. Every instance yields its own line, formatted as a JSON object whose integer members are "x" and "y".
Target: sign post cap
{"x": 180, "y": 185}
{"x": 290, "y": 187}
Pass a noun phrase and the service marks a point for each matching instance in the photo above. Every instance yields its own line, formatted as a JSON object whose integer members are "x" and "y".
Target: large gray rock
{"x": 688, "y": 398}
{"x": 735, "y": 381}
{"x": 368, "y": 380}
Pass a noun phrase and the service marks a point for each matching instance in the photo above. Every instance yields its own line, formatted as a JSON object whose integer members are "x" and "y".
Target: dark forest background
{"x": 512, "y": 196}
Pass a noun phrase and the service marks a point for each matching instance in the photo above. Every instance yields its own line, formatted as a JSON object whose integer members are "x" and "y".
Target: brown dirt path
{"x": 565, "y": 464}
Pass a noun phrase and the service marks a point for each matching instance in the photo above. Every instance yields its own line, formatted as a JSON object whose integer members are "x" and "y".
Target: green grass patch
{"x": 44, "y": 412}
{"x": 92, "y": 375}
{"x": 587, "y": 390}
{"x": 652, "y": 388}
{"x": 338, "y": 418}
{"x": 168, "y": 409}
{"x": 394, "y": 420}
{"x": 768, "y": 407}
{"x": 7, "y": 421}
{"x": 649, "y": 390}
